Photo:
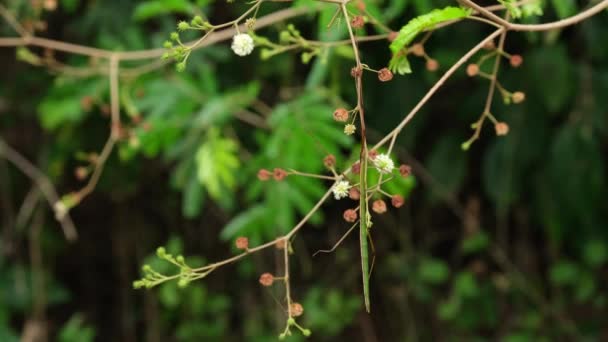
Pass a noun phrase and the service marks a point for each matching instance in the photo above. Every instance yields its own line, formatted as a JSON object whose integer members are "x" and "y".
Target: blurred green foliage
{"x": 507, "y": 241}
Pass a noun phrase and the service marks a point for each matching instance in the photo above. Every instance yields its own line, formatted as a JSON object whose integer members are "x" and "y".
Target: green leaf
{"x": 475, "y": 243}
{"x": 433, "y": 271}
{"x": 408, "y": 32}
{"x": 193, "y": 198}
{"x": 595, "y": 253}
{"x": 565, "y": 8}
{"x": 150, "y": 9}
{"x": 245, "y": 223}
{"x": 564, "y": 273}
{"x": 75, "y": 330}
{"x": 217, "y": 163}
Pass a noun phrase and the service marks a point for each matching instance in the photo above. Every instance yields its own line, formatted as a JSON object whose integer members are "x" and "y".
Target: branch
{"x": 45, "y": 185}
{"x": 539, "y": 27}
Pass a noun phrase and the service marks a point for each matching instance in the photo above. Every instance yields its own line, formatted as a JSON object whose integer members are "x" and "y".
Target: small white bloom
{"x": 384, "y": 163}
{"x": 242, "y": 44}
{"x": 350, "y": 129}
{"x": 340, "y": 189}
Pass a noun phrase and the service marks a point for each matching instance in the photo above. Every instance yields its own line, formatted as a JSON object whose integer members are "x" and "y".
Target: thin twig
{"x": 43, "y": 182}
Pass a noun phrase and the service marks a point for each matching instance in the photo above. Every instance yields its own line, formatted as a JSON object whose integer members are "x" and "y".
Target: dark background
{"x": 506, "y": 241}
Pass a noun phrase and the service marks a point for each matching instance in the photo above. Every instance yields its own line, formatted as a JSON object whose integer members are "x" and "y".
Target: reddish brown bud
{"x": 296, "y": 309}
{"x": 516, "y": 60}
{"x": 279, "y": 174}
{"x": 86, "y": 103}
{"x": 356, "y": 71}
{"x": 379, "y": 206}
{"x": 264, "y": 175}
{"x": 405, "y": 170}
{"x": 266, "y": 279}
{"x": 146, "y": 126}
{"x": 501, "y": 128}
{"x": 372, "y": 154}
{"x": 329, "y": 161}
{"x": 242, "y": 242}
{"x": 397, "y": 201}
{"x": 385, "y": 75}
{"x": 136, "y": 119}
{"x": 341, "y": 115}
{"x": 518, "y": 97}
{"x": 418, "y": 50}
{"x": 353, "y": 193}
{"x": 105, "y": 109}
{"x": 361, "y": 5}
{"x": 350, "y": 215}
{"x": 81, "y": 172}
{"x": 50, "y": 5}
{"x": 472, "y": 70}
{"x": 489, "y": 45}
{"x": 357, "y": 22}
{"x": 356, "y": 168}
{"x": 432, "y": 65}
{"x": 392, "y": 36}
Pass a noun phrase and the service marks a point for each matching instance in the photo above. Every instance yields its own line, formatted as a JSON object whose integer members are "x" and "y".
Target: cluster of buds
{"x": 418, "y": 50}
{"x": 277, "y": 174}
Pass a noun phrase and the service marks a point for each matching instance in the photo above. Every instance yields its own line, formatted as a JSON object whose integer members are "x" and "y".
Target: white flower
{"x": 384, "y": 163}
{"x": 350, "y": 129}
{"x": 340, "y": 189}
{"x": 242, "y": 44}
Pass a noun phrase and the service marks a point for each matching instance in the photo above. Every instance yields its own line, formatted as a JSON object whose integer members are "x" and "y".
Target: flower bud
{"x": 385, "y": 75}
{"x": 296, "y": 309}
{"x": 397, "y": 201}
{"x": 242, "y": 243}
{"x": 279, "y": 174}
{"x": 357, "y": 22}
{"x": 432, "y": 65}
{"x": 405, "y": 170}
{"x": 418, "y": 50}
{"x": 501, "y": 128}
{"x": 472, "y": 70}
{"x": 329, "y": 161}
{"x": 350, "y": 215}
{"x": 356, "y": 71}
{"x": 266, "y": 279}
{"x": 516, "y": 60}
{"x": 341, "y": 115}
{"x": 379, "y": 206}
{"x": 264, "y": 175}
{"x": 518, "y": 97}
{"x": 354, "y": 194}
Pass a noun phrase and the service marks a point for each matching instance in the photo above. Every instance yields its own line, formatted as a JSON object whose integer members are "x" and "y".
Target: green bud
{"x": 266, "y": 53}
{"x": 138, "y": 284}
{"x": 291, "y": 321}
{"x": 197, "y": 20}
{"x": 306, "y": 332}
{"x": 284, "y": 36}
{"x": 174, "y": 36}
{"x": 465, "y": 145}
{"x": 183, "y": 282}
{"x": 183, "y": 26}
{"x": 161, "y": 252}
{"x": 180, "y": 259}
{"x": 282, "y": 336}
{"x": 167, "y": 45}
{"x": 180, "y": 67}
{"x": 146, "y": 268}
{"x": 166, "y": 56}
